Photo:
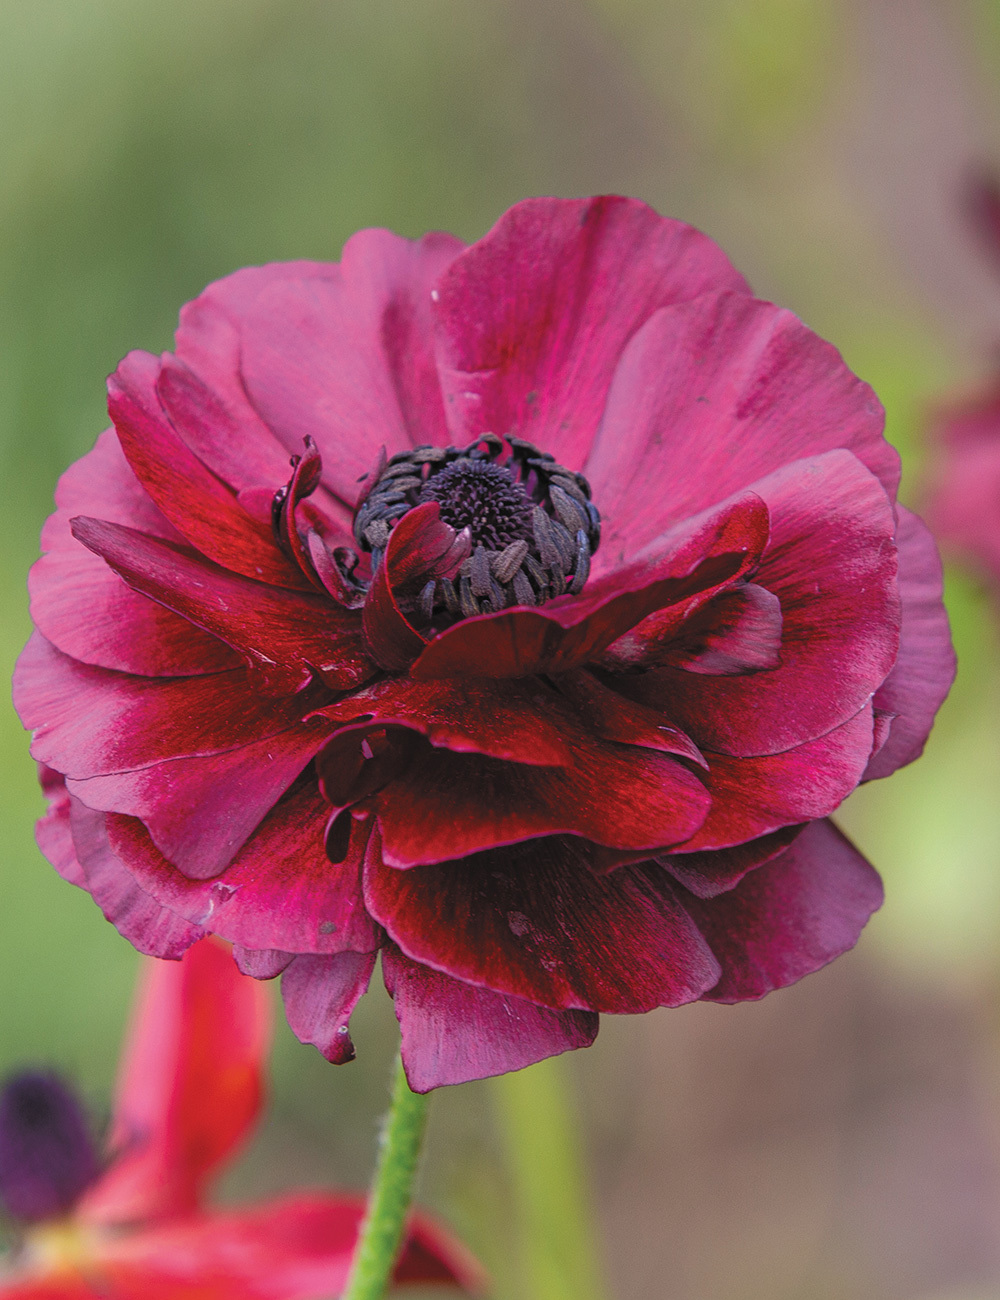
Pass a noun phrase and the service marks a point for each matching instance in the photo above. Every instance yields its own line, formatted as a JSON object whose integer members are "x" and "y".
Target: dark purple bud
{"x": 47, "y": 1157}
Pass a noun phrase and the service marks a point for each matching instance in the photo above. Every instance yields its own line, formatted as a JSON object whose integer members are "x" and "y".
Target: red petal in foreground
{"x": 189, "y": 1088}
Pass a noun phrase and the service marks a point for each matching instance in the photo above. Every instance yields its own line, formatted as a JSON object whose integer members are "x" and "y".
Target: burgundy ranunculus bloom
{"x": 584, "y": 602}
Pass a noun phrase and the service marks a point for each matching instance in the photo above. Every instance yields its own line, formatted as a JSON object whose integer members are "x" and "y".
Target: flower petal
{"x": 319, "y": 993}
{"x": 53, "y": 831}
{"x": 202, "y": 508}
{"x": 533, "y": 317}
{"x": 453, "y": 1032}
{"x": 190, "y": 1085}
{"x": 83, "y": 607}
{"x": 831, "y": 561}
{"x": 754, "y": 796}
{"x": 283, "y": 635}
{"x": 281, "y": 891}
{"x": 704, "y": 553}
{"x": 534, "y": 922}
{"x": 925, "y": 667}
{"x": 298, "y": 1247}
{"x": 713, "y": 872}
{"x": 790, "y": 916}
{"x": 711, "y": 396}
{"x": 347, "y": 358}
{"x": 137, "y": 917}
{"x": 447, "y": 805}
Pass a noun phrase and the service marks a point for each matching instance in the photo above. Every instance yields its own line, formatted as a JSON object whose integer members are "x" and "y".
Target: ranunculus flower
{"x": 190, "y": 1089}
{"x": 584, "y": 602}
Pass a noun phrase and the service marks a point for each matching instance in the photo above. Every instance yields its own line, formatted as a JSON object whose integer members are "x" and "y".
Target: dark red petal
{"x": 789, "y": 917}
{"x": 280, "y": 892}
{"x": 754, "y": 796}
{"x": 525, "y": 721}
{"x": 533, "y": 317}
{"x": 83, "y": 607}
{"x": 711, "y": 873}
{"x": 201, "y": 507}
{"x": 283, "y": 635}
{"x": 535, "y": 922}
{"x": 90, "y": 721}
{"x": 137, "y": 917}
{"x": 453, "y": 1032}
{"x": 613, "y": 717}
{"x": 320, "y": 993}
{"x": 738, "y": 631}
{"x": 925, "y": 667}
{"x": 348, "y": 358}
{"x": 831, "y": 562}
{"x": 190, "y": 1085}
{"x": 420, "y": 547}
{"x": 296, "y": 1248}
{"x": 704, "y": 553}
{"x": 447, "y": 805}
{"x": 711, "y": 396}
{"x": 199, "y": 812}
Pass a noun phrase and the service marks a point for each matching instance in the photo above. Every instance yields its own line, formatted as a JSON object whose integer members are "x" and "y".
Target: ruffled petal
{"x": 790, "y": 916}
{"x": 320, "y": 993}
{"x": 347, "y": 359}
{"x": 533, "y": 317}
{"x": 713, "y": 872}
{"x": 534, "y": 922}
{"x": 53, "y": 831}
{"x": 83, "y": 607}
{"x": 284, "y": 636}
{"x": 711, "y": 396}
{"x": 202, "y": 508}
{"x": 700, "y": 557}
{"x": 754, "y": 796}
{"x": 280, "y": 892}
{"x": 139, "y": 918}
{"x": 831, "y": 561}
{"x": 454, "y": 1032}
{"x": 190, "y": 1085}
{"x": 925, "y": 667}
{"x": 90, "y": 721}
{"x": 448, "y": 805}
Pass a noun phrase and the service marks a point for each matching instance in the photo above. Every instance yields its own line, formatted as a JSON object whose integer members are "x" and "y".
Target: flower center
{"x": 532, "y": 524}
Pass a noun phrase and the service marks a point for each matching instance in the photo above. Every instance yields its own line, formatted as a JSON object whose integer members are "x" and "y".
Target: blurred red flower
{"x": 190, "y": 1090}
{"x": 634, "y": 611}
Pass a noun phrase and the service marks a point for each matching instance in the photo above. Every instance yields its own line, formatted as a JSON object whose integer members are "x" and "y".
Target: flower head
{"x": 519, "y": 611}
{"x": 189, "y": 1093}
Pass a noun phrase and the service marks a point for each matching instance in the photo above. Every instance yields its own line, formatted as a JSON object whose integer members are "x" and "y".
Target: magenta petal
{"x": 54, "y": 832}
{"x": 447, "y": 805}
{"x": 757, "y": 795}
{"x": 201, "y": 507}
{"x": 261, "y": 963}
{"x": 716, "y": 549}
{"x": 711, "y": 396}
{"x": 347, "y": 358}
{"x": 320, "y": 993}
{"x": 83, "y": 607}
{"x": 137, "y": 917}
{"x": 533, "y": 317}
{"x": 713, "y": 872}
{"x": 89, "y": 721}
{"x": 281, "y": 891}
{"x": 453, "y": 1032}
{"x": 200, "y": 811}
{"x": 535, "y": 922}
{"x": 789, "y": 917}
{"x": 925, "y": 667}
{"x": 283, "y": 635}
{"x": 831, "y": 561}
{"x": 739, "y": 631}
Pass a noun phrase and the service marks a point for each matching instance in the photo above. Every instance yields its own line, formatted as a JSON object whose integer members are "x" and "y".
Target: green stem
{"x": 391, "y": 1193}
{"x": 558, "y": 1238}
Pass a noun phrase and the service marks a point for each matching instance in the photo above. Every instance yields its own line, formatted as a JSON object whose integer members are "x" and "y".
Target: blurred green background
{"x": 841, "y": 1139}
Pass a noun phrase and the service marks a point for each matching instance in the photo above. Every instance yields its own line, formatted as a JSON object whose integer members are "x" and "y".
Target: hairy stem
{"x": 391, "y": 1193}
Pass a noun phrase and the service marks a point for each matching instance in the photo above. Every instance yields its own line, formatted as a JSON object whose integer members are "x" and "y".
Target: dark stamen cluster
{"x": 532, "y": 523}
